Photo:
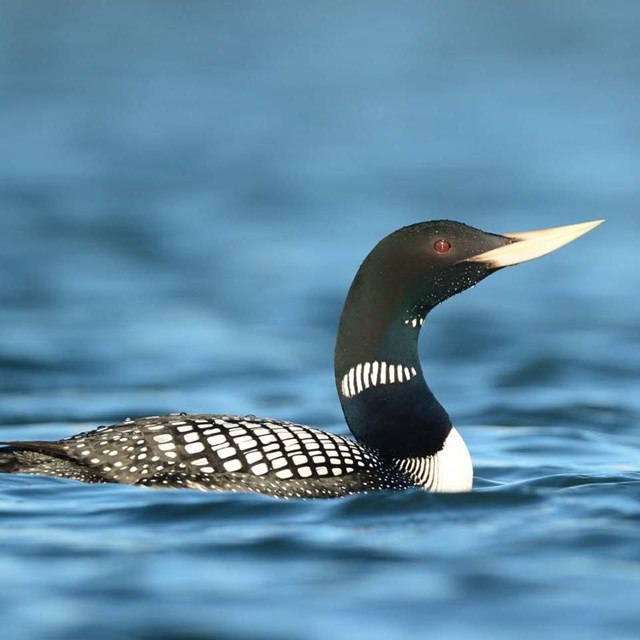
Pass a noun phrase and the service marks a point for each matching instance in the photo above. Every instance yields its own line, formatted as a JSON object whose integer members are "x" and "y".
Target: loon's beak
{"x": 529, "y": 245}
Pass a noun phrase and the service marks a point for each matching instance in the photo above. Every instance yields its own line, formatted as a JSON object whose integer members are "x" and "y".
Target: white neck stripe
{"x": 372, "y": 374}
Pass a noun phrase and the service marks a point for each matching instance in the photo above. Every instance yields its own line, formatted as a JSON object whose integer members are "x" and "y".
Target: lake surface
{"x": 185, "y": 195}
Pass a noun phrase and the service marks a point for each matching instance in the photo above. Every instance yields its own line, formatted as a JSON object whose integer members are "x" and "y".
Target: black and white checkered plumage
{"x": 215, "y": 453}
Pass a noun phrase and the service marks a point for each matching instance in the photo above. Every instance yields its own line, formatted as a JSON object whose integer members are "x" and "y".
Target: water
{"x": 186, "y": 192}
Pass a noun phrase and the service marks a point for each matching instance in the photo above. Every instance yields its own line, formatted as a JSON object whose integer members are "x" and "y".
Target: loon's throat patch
{"x": 372, "y": 374}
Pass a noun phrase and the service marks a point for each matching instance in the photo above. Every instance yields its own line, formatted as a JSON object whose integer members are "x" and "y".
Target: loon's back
{"x": 211, "y": 453}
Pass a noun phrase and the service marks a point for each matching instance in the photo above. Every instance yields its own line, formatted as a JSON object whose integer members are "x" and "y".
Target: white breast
{"x": 455, "y": 469}
{"x": 448, "y": 471}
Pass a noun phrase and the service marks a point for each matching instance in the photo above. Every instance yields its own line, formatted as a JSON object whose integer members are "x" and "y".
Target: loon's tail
{"x": 8, "y": 461}
{"x": 44, "y": 459}
{"x": 31, "y": 456}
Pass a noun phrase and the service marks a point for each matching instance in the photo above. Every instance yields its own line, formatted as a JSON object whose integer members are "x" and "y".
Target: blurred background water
{"x": 186, "y": 191}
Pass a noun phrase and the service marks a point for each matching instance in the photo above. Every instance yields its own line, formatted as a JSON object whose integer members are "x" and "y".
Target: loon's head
{"x": 416, "y": 267}
{"x": 405, "y": 276}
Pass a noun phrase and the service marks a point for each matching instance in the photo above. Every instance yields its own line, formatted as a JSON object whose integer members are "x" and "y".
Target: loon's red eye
{"x": 442, "y": 246}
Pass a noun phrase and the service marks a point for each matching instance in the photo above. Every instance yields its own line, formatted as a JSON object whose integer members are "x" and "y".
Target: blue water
{"x": 186, "y": 190}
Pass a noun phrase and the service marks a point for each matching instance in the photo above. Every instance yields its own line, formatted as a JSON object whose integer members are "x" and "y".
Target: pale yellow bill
{"x": 533, "y": 244}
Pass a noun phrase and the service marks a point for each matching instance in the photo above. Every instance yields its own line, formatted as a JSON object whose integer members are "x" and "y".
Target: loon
{"x": 403, "y": 436}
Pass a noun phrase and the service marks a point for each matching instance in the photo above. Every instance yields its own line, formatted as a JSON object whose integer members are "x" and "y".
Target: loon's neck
{"x": 386, "y": 401}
